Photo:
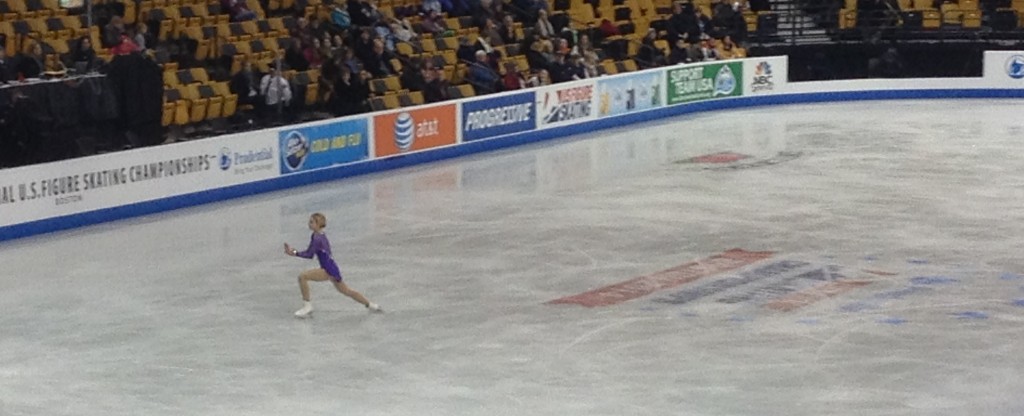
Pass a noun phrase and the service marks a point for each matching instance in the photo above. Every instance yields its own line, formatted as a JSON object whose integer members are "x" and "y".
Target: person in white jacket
{"x": 275, "y": 89}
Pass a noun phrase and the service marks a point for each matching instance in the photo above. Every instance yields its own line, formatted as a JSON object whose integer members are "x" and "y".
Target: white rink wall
{"x": 72, "y": 193}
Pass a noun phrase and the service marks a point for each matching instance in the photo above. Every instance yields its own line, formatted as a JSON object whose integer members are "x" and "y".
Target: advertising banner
{"x": 325, "y": 145}
{"x": 765, "y": 75}
{"x": 414, "y": 130}
{"x": 491, "y": 117}
{"x": 628, "y": 93}
{"x": 566, "y": 103}
{"x": 38, "y": 192}
{"x": 706, "y": 81}
{"x": 1004, "y": 68}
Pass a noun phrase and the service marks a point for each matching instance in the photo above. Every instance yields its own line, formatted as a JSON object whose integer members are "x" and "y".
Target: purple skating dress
{"x": 321, "y": 248}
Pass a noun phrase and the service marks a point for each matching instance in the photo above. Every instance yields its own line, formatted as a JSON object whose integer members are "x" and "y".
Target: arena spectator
{"x": 112, "y": 32}
{"x": 436, "y": 88}
{"x": 275, "y": 91}
{"x": 481, "y": 76}
{"x": 246, "y": 86}
{"x": 379, "y": 64}
{"x": 295, "y": 56}
{"x": 238, "y": 10}
{"x": 350, "y": 93}
{"x": 543, "y": 27}
{"x": 512, "y": 80}
{"x": 649, "y": 55}
{"x": 508, "y": 31}
{"x": 434, "y": 24}
{"x": 7, "y": 71}
{"x": 412, "y": 75}
{"x": 83, "y": 57}
{"x": 142, "y": 37}
{"x": 730, "y": 50}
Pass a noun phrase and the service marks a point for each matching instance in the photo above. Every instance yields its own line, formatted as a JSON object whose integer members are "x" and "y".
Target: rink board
{"x": 79, "y": 192}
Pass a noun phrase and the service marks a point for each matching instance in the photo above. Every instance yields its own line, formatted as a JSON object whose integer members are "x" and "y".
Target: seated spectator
{"x": 245, "y": 85}
{"x": 312, "y": 54}
{"x": 490, "y": 36}
{"x": 432, "y": 6}
{"x": 402, "y": 30}
{"x": 295, "y": 56}
{"x": 83, "y": 57}
{"x": 412, "y": 75}
{"x": 379, "y": 63}
{"x": 433, "y": 23}
{"x": 543, "y": 27}
{"x": 536, "y": 55}
{"x": 275, "y": 90}
{"x": 436, "y": 88}
{"x": 383, "y": 32}
{"x": 649, "y": 55}
{"x": 350, "y": 61}
{"x": 680, "y": 53}
{"x": 125, "y": 47}
{"x": 112, "y": 32}
{"x": 302, "y": 31}
{"x": 350, "y": 93}
{"x": 575, "y": 64}
{"x": 508, "y": 31}
{"x": 238, "y": 10}
{"x": 706, "y": 51}
{"x": 512, "y": 80}
{"x": 542, "y": 78}
{"x": 481, "y": 76}
{"x": 143, "y": 38}
{"x": 466, "y": 51}
{"x": 590, "y": 65}
{"x": 7, "y": 67}
{"x": 365, "y": 13}
{"x": 729, "y": 49}
{"x": 32, "y": 63}
{"x": 560, "y": 70}
{"x": 583, "y": 46}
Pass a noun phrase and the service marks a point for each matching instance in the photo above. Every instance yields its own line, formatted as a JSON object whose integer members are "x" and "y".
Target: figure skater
{"x": 321, "y": 248}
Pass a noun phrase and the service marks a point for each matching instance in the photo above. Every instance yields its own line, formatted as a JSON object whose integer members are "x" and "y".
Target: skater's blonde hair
{"x": 320, "y": 219}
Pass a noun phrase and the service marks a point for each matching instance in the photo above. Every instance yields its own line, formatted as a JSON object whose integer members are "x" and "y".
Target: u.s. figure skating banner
{"x": 629, "y": 93}
{"x": 69, "y": 187}
{"x": 567, "y": 103}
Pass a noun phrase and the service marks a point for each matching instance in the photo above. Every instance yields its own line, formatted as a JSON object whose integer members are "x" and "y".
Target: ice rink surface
{"x": 881, "y": 273}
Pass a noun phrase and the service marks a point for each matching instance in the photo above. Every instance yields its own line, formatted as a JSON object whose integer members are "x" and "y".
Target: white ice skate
{"x": 305, "y": 312}
{"x": 373, "y": 307}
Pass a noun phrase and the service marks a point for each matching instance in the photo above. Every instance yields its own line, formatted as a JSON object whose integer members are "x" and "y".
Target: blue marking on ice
{"x": 971, "y": 315}
{"x": 932, "y": 280}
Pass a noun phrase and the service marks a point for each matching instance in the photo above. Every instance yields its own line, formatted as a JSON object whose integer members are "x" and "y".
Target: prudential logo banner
{"x": 491, "y": 117}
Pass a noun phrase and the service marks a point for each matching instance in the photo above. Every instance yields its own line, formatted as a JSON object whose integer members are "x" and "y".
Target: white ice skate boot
{"x": 373, "y": 307}
{"x": 306, "y": 310}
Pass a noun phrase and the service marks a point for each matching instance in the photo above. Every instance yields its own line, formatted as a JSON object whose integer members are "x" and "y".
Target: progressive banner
{"x": 492, "y": 117}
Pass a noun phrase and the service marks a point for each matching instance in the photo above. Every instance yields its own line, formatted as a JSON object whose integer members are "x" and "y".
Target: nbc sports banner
{"x": 764, "y": 75}
{"x": 412, "y": 130}
{"x": 702, "y": 82}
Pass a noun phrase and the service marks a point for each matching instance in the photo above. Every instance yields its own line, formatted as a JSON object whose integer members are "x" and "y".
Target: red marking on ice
{"x": 724, "y": 157}
{"x": 808, "y": 297}
{"x": 880, "y": 273}
{"x": 665, "y": 279}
